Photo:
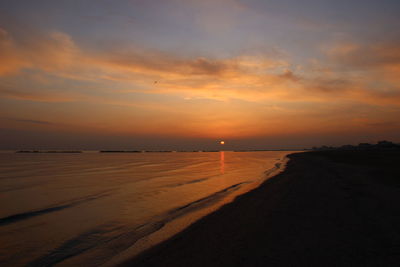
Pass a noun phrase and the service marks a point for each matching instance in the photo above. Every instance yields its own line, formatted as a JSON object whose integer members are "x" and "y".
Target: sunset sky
{"x": 185, "y": 74}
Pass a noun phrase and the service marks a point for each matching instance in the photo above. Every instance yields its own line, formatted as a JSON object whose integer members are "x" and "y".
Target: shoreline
{"x": 327, "y": 208}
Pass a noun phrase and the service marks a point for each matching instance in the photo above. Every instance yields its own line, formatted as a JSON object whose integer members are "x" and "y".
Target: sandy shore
{"x": 326, "y": 209}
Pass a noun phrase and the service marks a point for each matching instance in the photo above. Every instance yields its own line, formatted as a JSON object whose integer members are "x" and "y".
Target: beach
{"x": 328, "y": 208}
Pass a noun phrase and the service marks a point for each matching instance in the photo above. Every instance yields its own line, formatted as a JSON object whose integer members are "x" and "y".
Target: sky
{"x": 185, "y": 74}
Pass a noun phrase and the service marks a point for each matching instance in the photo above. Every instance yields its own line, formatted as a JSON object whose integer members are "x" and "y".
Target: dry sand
{"x": 338, "y": 208}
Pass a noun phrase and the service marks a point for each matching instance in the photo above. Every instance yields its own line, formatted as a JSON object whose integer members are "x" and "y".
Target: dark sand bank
{"x": 334, "y": 208}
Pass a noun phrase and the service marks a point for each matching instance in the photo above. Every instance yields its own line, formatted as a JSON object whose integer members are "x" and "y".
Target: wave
{"x": 27, "y": 215}
{"x": 113, "y": 238}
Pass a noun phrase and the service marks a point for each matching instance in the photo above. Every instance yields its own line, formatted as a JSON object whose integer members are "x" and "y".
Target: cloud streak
{"x": 33, "y": 121}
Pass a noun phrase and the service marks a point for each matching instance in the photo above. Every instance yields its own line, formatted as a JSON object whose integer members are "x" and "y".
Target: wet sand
{"x": 334, "y": 208}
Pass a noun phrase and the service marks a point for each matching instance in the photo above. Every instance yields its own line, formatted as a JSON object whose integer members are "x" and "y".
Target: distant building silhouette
{"x": 381, "y": 145}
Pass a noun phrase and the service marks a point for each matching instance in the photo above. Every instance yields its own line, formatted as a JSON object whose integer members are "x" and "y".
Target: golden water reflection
{"x": 136, "y": 189}
{"x": 222, "y": 161}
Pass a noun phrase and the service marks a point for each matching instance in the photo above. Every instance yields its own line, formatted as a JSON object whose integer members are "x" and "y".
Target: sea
{"x": 99, "y": 209}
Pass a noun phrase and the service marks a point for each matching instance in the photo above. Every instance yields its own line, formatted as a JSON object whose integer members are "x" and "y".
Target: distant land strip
{"x": 48, "y": 151}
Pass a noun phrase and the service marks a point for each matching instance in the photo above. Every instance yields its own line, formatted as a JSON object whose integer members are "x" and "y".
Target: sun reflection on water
{"x": 222, "y": 161}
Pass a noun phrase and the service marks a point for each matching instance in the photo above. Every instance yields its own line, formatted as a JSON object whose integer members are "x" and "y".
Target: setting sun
{"x": 222, "y": 142}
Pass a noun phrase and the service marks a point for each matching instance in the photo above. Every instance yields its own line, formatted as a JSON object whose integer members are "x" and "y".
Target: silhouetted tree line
{"x": 381, "y": 145}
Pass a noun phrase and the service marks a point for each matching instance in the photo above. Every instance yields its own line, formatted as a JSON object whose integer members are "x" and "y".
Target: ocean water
{"x": 91, "y": 209}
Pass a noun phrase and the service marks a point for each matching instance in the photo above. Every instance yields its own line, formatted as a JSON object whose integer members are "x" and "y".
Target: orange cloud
{"x": 10, "y": 60}
{"x": 58, "y": 55}
{"x": 246, "y": 95}
{"x": 53, "y": 52}
{"x": 250, "y": 78}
